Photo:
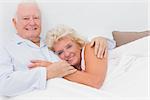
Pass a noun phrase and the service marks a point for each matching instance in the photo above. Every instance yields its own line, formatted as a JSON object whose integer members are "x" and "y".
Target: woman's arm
{"x": 95, "y": 70}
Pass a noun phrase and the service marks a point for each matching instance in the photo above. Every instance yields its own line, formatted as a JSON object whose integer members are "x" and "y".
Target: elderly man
{"x": 15, "y": 55}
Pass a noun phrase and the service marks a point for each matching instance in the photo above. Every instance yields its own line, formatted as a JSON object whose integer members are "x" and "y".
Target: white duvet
{"x": 128, "y": 72}
{"x": 127, "y": 76}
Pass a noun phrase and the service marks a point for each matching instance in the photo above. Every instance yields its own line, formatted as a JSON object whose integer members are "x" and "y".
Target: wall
{"x": 88, "y": 17}
{"x": 148, "y": 14}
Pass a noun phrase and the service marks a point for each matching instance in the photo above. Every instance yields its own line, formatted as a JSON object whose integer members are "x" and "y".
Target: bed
{"x": 127, "y": 76}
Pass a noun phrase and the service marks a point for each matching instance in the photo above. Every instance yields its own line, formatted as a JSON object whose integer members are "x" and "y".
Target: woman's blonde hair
{"x": 60, "y": 32}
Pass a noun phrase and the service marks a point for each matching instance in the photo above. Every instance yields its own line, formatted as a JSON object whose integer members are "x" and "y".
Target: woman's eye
{"x": 58, "y": 52}
{"x": 69, "y": 46}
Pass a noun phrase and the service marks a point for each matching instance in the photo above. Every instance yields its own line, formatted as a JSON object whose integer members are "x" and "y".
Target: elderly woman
{"x": 67, "y": 44}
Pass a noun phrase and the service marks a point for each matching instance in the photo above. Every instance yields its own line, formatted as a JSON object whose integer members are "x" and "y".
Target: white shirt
{"x": 15, "y": 76}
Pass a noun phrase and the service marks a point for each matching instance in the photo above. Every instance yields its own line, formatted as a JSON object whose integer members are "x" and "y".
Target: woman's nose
{"x": 66, "y": 53}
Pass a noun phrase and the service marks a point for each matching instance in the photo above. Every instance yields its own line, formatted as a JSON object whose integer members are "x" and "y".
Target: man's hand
{"x": 57, "y": 69}
{"x": 100, "y": 45}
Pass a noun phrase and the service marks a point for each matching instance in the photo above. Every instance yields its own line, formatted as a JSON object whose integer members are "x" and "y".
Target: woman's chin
{"x": 72, "y": 62}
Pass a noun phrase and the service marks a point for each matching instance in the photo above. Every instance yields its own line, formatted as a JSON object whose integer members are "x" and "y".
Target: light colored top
{"x": 82, "y": 59}
{"x": 15, "y": 76}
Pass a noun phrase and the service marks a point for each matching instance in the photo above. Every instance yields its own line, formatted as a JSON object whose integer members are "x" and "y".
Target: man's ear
{"x": 14, "y": 22}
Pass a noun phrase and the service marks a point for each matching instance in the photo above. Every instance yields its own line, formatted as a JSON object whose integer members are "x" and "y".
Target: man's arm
{"x": 13, "y": 82}
{"x": 101, "y": 46}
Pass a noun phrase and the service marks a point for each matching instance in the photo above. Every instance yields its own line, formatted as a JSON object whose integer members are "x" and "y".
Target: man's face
{"x": 28, "y": 22}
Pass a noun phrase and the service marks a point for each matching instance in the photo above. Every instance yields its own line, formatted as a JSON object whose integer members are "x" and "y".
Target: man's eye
{"x": 36, "y": 18}
{"x": 26, "y": 18}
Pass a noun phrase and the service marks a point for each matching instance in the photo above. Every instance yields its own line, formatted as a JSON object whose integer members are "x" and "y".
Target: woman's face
{"x": 68, "y": 50}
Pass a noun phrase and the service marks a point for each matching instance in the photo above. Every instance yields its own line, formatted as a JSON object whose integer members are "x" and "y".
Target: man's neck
{"x": 36, "y": 41}
{"x": 38, "y": 44}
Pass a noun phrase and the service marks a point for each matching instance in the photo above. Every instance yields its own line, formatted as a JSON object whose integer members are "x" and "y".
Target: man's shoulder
{"x": 7, "y": 42}
{"x": 4, "y": 42}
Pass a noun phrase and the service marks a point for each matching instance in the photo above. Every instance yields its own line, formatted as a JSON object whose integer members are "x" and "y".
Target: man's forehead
{"x": 27, "y": 8}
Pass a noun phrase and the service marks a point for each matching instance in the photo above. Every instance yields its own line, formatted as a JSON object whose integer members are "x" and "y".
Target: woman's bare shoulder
{"x": 88, "y": 49}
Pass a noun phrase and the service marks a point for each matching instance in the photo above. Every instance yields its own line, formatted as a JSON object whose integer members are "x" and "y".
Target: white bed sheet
{"x": 127, "y": 77}
{"x": 128, "y": 74}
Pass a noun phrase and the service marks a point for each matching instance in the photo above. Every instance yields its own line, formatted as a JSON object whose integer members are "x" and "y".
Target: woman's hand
{"x": 101, "y": 46}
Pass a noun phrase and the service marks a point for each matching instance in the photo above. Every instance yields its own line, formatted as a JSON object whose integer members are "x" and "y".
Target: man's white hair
{"x": 24, "y": 2}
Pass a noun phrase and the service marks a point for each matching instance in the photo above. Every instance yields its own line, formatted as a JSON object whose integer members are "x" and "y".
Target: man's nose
{"x": 32, "y": 22}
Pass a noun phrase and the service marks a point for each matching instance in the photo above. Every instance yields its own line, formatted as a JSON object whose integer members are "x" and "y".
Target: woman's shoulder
{"x": 88, "y": 48}
{"x": 87, "y": 44}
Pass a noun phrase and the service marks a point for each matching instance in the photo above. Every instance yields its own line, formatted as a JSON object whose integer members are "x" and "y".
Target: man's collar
{"x": 19, "y": 40}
